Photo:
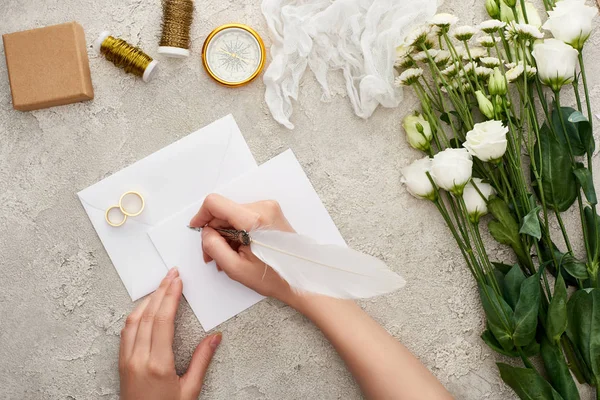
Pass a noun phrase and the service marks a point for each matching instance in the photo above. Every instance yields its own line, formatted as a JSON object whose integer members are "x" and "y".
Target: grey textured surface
{"x": 62, "y": 304}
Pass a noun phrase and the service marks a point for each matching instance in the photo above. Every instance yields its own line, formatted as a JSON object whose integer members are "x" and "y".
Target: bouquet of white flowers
{"x": 495, "y": 143}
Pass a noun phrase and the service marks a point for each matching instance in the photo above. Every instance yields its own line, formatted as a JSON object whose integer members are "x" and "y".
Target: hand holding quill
{"x": 307, "y": 266}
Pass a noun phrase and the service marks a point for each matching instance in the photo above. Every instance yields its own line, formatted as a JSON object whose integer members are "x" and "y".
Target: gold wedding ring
{"x": 125, "y": 213}
{"x": 110, "y": 222}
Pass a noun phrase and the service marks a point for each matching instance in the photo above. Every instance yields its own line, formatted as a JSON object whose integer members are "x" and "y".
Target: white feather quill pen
{"x": 308, "y": 266}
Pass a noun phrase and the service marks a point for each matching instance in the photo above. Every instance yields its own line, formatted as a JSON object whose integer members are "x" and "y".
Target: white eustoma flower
{"x": 464, "y": 33}
{"x": 487, "y": 141}
{"x": 444, "y": 20}
{"x": 418, "y": 36}
{"x": 491, "y": 26}
{"x": 488, "y": 41}
{"x": 414, "y": 176}
{"x": 451, "y": 169}
{"x": 418, "y": 131}
{"x": 533, "y": 17}
{"x": 474, "y": 202}
{"x": 490, "y": 62}
{"x": 409, "y": 77}
{"x": 556, "y": 62}
{"x": 571, "y": 22}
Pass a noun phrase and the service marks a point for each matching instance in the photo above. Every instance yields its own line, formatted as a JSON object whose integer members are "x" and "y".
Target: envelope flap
{"x": 174, "y": 176}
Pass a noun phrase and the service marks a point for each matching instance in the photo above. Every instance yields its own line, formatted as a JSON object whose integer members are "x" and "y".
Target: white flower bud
{"x": 497, "y": 83}
{"x": 492, "y": 8}
{"x": 485, "y": 106}
{"x": 418, "y": 131}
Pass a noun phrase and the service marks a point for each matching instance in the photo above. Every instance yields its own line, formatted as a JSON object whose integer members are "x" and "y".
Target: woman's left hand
{"x": 146, "y": 359}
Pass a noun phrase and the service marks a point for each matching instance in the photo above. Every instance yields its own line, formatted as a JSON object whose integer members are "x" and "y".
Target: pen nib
{"x": 195, "y": 228}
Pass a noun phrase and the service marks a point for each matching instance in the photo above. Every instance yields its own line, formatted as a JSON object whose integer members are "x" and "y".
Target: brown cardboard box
{"x": 48, "y": 66}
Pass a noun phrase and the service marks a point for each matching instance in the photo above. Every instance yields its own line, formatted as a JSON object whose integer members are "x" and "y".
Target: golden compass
{"x": 233, "y": 54}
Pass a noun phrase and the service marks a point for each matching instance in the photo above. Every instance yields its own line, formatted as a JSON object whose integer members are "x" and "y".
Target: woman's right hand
{"x": 239, "y": 263}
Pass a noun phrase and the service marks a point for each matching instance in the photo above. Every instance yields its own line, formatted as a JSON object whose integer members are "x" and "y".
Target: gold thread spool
{"x": 130, "y": 58}
{"x": 177, "y": 21}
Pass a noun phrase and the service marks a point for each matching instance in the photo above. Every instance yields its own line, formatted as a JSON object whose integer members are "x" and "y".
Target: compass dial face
{"x": 234, "y": 56}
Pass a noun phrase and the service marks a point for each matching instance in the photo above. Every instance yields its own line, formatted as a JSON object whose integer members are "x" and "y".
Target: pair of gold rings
{"x": 126, "y": 213}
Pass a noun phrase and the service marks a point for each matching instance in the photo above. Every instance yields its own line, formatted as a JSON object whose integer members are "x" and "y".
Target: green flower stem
{"x": 479, "y": 87}
{"x": 463, "y": 249}
{"x": 526, "y": 361}
{"x": 524, "y": 11}
{"x": 564, "y": 231}
{"x": 460, "y": 67}
{"x": 433, "y": 121}
{"x": 591, "y": 121}
{"x": 579, "y": 200}
{"x": 429, "y": 92}
{"x": 480, "y": 249}
{"x": 456, "y": 102}
{"x": 434, "y": 68}
{"x": 577, "y": 96}
{"x": 491, "y": 275}
{"x": 585, "y": 88}
{"x": 507, "y": 183}
{"x": 572, "y": 360}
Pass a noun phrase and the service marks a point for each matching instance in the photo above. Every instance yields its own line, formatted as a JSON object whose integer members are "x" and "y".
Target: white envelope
{"x": 170, "y": 179}
{"x": 214, "y": 297}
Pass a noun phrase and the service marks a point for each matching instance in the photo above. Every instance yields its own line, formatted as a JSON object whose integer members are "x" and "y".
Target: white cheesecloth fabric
{"x": 358, "y": 37}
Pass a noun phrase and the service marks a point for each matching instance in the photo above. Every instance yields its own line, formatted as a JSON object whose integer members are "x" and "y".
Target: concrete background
{"x": 62, "y": 304}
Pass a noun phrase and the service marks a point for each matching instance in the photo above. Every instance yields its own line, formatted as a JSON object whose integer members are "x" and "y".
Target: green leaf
{"x": 531, "y": 350}
{"x": 572, "y": 133}
{"x": 583, "y": 328}
{"x": 559, "y": 184}
{"x": 512, "y": 285}
{"x": 584, "y": 176}
{"x": 592, "y": 228}
{"x": 547, "y": 259}
{"x": 490, "y": 340}
{"x": 526, "y": 311}
{"x": 505, "y": 228}
{"x": 499, "y": 316}
{"x": 531, "y": 224}
{"x": 556, "y": 320}
{"x": 574, "y": 267}
{"x": 527, "y": 383}
{"x": 558, "y": 371}
{"x": 504, "y": 268}
{"x": 585, "y": 131}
